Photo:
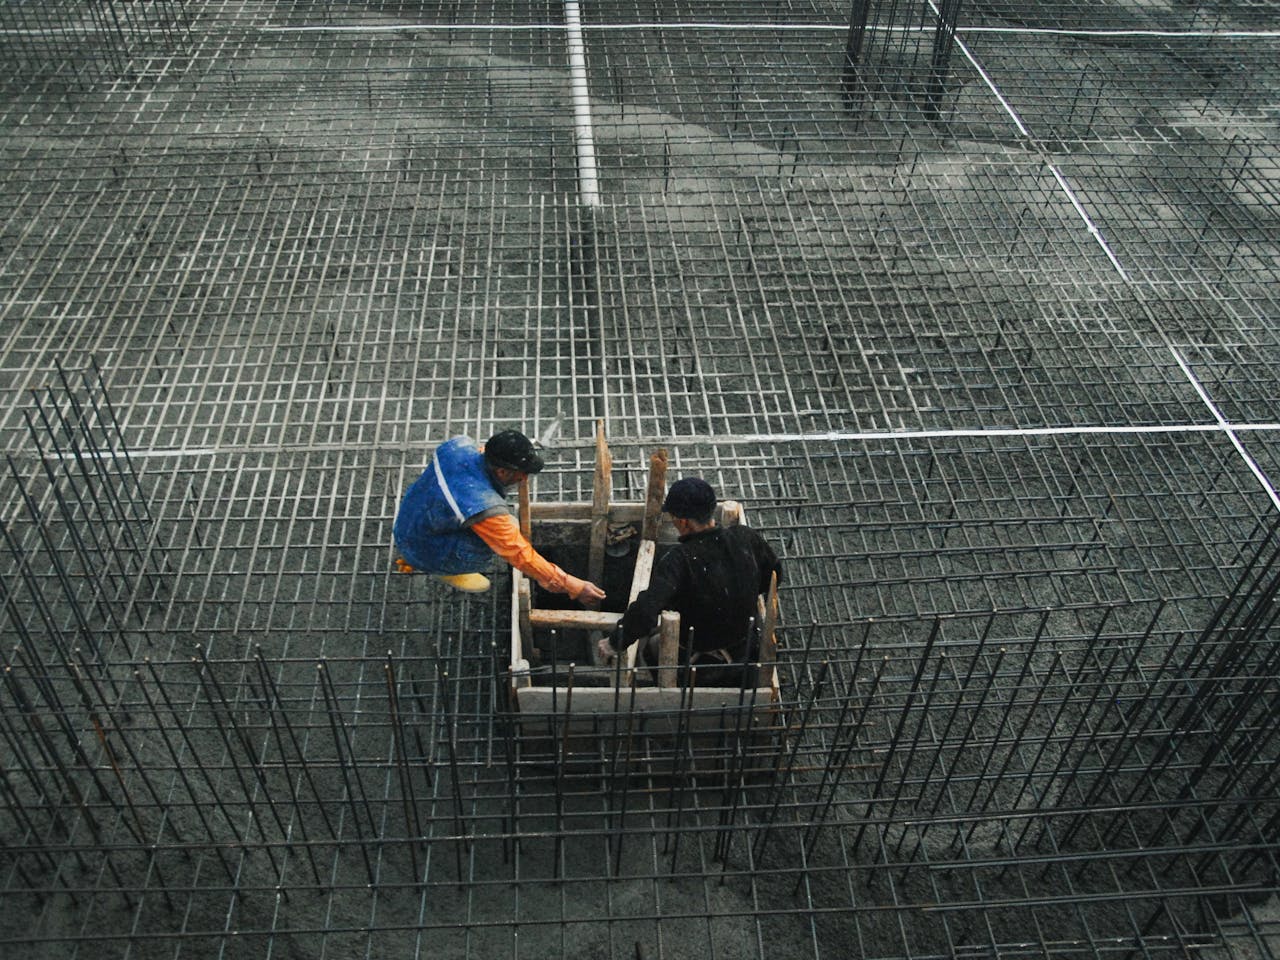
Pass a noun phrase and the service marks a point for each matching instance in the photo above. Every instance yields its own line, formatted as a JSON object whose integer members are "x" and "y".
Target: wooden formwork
{"x": 618, "y": 688}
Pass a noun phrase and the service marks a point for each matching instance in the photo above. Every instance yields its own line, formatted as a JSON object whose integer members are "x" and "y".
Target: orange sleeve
{"x": 504, "y": 538}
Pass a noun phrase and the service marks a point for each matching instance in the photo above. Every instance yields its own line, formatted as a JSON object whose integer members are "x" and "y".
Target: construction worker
{"x": 454, "y": 518}
{"x": 711, "y": 578}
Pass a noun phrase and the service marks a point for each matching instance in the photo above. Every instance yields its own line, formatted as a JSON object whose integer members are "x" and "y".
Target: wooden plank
{"x": 655, "y": 494}
{"x": 669, "y": 650}
{"x": 525, "y": 514}
{"x": 524, "y": 605}
{"x": 639, "y": 583}
{"x": 517, "y": 647}
{"x": 769, "y": 623}
{"x": 574, "y": 619}
{"x": 730, "y": 513}
{"x": 561, "y": 511}
{"x": 596, "y": 700}
{"x": 644, "y": 569}
{"x": 519, "y": 644}
{"x": 601, "y": 492}
{"x": 629, "y": 663}
{"x": 552, "y": 511}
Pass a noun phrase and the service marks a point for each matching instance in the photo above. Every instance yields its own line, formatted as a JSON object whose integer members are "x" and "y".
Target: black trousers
{"x": 716, "y": 668}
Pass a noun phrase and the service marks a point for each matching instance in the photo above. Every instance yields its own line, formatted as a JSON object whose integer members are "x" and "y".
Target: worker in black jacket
{"x": 711, "y": 578}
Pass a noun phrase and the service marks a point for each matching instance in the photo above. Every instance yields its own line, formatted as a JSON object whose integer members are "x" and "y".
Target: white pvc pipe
{"x": 705, "y": 439}
{"x": 584, "y": 142}
{"x": 1227, "y": 429}
{"x": 704, "y": 26}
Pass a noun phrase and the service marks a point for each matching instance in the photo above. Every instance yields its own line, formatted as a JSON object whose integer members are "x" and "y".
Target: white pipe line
{"x": 991, "y": 85}
{"x": 557, "y": 27}
{"x": 1158, "y": 34}
{"x": 589, "y": 194}
{"x": 1227, "y": 429}
{"x": 749, "y": 28}
{"x": 584, "y": 141}
{"x": 692, "y": 25}
{"x": 1097, "y": 236}
{"x": 702, "y": 439}
{"x": 1088, "y": 221}
{"x": 76, "y": 31}
{"x": 1057, "y": 174}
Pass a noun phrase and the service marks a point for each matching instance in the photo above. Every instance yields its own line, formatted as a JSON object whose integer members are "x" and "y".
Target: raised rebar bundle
{"x": 993, "y": 365}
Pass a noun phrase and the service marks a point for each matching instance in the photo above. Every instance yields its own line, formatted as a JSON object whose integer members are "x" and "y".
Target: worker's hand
{"x": 605, "y": 650}
{"x": 402, "y": 567}
{"x": 582, "y": 590}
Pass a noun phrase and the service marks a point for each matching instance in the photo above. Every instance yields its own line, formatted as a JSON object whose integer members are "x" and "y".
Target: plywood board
{"x": 573, "y": 619}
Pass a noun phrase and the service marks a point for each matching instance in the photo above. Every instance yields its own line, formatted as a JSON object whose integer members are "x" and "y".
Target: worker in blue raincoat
{"x": 454, "y": 518}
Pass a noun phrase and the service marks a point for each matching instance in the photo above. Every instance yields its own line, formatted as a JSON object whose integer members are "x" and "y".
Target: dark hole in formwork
{"x": 564, "y": 647}
{"x": 594, "y": 722}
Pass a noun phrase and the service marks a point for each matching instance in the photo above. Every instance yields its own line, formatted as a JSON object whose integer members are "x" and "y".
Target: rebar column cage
{"x": 885, "y": 53}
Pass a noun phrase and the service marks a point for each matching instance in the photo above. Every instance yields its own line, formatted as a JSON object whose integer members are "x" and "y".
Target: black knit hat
{"x": 690, "y": 498}
{"x": 513, "y": 450}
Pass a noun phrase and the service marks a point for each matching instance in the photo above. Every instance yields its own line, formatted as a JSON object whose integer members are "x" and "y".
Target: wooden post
{"x": 521, "y": 632}
{"x": 669, "y": 649}
{"x": 573, "y": 619}
{"x": 600, "y": 507}
{"x": 769, "y": 623}
{"x": 525, "y": 512}
{"x": 730, "y": 512}
{"x": 524, "y": 604}
{"x": 655, "y": 495}
{"x": 643, "y": 570}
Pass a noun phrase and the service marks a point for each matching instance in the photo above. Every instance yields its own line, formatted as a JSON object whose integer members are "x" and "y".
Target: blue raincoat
{"x": 431, "y": 525}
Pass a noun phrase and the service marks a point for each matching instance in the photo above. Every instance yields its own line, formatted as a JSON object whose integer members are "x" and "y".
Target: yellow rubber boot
{"x": 466, "y": 582}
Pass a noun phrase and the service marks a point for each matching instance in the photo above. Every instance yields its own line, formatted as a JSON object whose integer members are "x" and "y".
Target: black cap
{"x": 513, "y": 450}
{"x": 690, "y": 498}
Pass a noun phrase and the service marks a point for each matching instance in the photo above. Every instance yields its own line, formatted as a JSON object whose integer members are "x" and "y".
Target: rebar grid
{"x": 994, "y": 364}
{"x": 945, "y": 736}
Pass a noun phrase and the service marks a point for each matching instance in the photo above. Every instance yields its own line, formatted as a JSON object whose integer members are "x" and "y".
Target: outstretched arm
{"x": 641, "y": 616}
{"x": 502, "y": 534}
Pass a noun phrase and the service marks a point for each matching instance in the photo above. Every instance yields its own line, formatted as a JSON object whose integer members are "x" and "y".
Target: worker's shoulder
{"x": 740, "y": 532}
{"x": 672, "y": 562}
{"x": 674, "y": 555}
{"x": 458, "y": 442}
{"x": 743, "y": 539}
{"x": 455, "y": 451}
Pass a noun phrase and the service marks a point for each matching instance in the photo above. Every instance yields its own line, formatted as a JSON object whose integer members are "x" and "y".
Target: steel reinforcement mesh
{"x": 975, "y": 310}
